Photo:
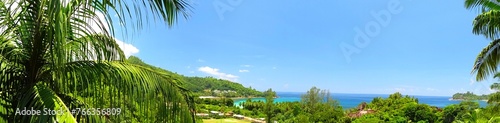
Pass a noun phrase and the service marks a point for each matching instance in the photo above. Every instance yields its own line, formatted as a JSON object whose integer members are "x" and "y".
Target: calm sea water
{"x": 352, "y": 100}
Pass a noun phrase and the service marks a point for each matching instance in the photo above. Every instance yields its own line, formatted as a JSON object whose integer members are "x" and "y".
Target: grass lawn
{"x": 226, "y": 120}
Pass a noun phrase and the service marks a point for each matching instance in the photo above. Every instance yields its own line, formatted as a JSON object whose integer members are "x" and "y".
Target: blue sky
{"x": 425, "y": 48}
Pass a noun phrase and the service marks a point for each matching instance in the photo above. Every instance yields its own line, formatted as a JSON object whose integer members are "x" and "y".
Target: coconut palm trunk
{"x": 60, "y": 55}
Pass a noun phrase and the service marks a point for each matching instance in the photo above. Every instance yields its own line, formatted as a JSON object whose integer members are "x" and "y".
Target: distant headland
{"x": 469, "y": 96}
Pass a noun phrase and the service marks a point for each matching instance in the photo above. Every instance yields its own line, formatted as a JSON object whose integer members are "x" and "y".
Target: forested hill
{"x": 469, "y": 96}
{"x": 206, "y": 86}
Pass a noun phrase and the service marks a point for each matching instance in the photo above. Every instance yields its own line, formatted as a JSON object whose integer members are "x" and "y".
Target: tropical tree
{"x": 61, "y": 55}
{"x": 487, "y": 23}
{"x": 269, "y": 107}
{"x": 320, "y": 106}
{"x": 494, "y": 98}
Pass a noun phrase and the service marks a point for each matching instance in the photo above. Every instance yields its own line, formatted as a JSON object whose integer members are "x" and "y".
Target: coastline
{"x": 234, "y": 98}
{"x": 451, "y": 99}
{"x": 239, "y": 98}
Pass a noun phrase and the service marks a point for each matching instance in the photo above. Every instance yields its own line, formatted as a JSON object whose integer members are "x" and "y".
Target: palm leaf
{"x": 494, "y": 98}
{"x": 41, "y": 98}
{"x": 137, "y": 13}
{"x": 131, "y": 82}
{"x": 93, "y": 47}
{"x": 495, "y": 86}
{"x": 487, "y": 24}
{"x": 51, "y": 54}
{"x": 75, "y": 102}
{"x": 482, "y": 5}
{"x": 487, "y": 61}
{"x": 494, "y": 120}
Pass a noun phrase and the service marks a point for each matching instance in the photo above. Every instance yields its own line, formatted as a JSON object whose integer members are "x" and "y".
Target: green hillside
{"x": 206, "y": 86}
{"x": 209, "y": 86}
{"x": 469, "y": 96}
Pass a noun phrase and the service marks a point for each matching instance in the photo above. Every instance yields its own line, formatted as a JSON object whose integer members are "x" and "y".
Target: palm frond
{"x": 75, "y": 102}
{"x": 487, "y": 24}
{"x": 487, "y": 61}
{"x": 494, "y": 98}
{"x": 59, "y": 54}
{"x": 137, "y": 13}
{"x": 42, "y": 98}
{"x": 128, "y": 81}
{"x": 482, "y": 5}
{"x": 495, "y": 86}
{"x": 96, "y": 47}
{"x": 494, "y": 120}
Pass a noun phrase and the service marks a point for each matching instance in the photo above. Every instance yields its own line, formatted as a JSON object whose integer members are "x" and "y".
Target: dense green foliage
{"x": 269, "y": 106}
{"x": 470, "y": 112}
{"x": 206, "y": 86}
{"x": 316, "y": 106}
{"x": 62, "y": 55}
{"x": 469, "y": 96}
{"x": 494, "y": 98}
{"x": 319, "y": 106}
{"x": 396, "y": 108}
{"x": 209, "y": 86}
{"x": 215, "y": 101}
{"x": 401, "y": 109}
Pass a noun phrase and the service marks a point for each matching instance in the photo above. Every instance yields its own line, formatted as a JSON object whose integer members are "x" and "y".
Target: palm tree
{"x": 487, "y": 23}
{"x": 60, "y": 55}
{"x": 494, "y": 98}
{"x": 269, "y": 106}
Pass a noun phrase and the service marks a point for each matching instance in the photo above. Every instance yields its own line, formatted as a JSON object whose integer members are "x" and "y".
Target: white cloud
{"x": 200, "y": 60}
{"x": 243, "y": 71}
{"x": 220, "y": 75}
{"x": 191, "y": 71}
{"x": 209, "y": 70}
{"x": 128, "y": 49}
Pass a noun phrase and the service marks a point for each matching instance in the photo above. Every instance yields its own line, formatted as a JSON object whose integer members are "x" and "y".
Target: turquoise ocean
{"x": 352, "y": 100}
